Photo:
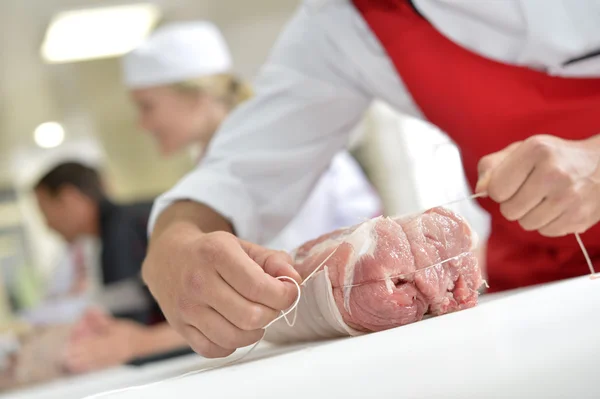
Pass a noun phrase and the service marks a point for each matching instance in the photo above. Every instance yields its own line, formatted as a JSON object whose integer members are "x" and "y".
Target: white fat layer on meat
{"x": 321, "y": 247}
{"x": 389, "y": 284}
{"x": 364, "y": 242}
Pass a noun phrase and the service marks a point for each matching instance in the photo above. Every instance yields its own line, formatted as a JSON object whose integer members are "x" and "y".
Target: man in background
{"x": 74, "y": 204}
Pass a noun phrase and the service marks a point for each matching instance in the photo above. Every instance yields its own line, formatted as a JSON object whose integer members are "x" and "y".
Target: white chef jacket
{"x": 323, "y": 73}
{"x": 342, "y": 197}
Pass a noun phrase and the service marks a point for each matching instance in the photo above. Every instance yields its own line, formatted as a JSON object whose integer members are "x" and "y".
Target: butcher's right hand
{"x": 216, "y": 290}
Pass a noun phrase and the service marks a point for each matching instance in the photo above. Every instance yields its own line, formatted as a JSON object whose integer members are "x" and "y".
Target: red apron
{"x": 484, "y": 106}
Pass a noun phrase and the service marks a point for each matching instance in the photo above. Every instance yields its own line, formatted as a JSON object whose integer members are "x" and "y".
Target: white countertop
{"x": 536, "y": 343}
{"x": 78, "y": 387}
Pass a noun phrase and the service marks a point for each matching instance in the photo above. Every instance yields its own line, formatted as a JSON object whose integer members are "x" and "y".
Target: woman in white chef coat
{"x": 182, "y": 84}
{"x": 494, "y": 75}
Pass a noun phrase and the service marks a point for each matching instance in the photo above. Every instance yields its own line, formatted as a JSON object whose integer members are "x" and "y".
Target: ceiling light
{"x": 49, "y": 135}
{"x": 98, "y": 32}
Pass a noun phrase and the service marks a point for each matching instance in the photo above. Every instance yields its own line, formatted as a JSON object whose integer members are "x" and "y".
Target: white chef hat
{"x": 175, "y": 53}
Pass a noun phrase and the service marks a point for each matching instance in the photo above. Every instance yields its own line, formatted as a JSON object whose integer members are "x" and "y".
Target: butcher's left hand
{"x": 117, "y": 344}
{"x": 546, "y": 183}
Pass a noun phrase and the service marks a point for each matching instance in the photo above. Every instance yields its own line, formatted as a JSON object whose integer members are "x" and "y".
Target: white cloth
{"x": 318, "y": 316}
{"x": 60, "y": 305}
{"x": 63, "y": 277}
{"x": 57, "y": 310}
{"x": 323, "y": 73}
{"x": 541, "y": 34}
{"x": 342, "y": 197}
{"x": 86, "y": 250}
{"x": 175, "y": 53}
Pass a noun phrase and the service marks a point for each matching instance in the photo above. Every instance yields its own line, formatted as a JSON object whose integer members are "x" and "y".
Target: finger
{"x": 572, "y": 220}
{"x": 483, "y": 183}
{"x": 542, "y": 215}
{"x": 250, "y": 280}
{"x": 488, "y": 163}
{"x": 573, "y": 213}
{"x": 275, "y": 263}
{"x": 508, "y": 177}
{"x": 202, "y": 345}
{"x": 77, "y": 359}
{"x": 530, "y": 195}
{"x": 76, "y": 365}
{"x": 238, "y": 310}
{"x": 70, "y": 360}
{"x": 553, "y": 206}
{"x": 559, "y": 227}
{"x": 80, "y": 330}
{"x": 100, "y": 321}
{"x": 84, "y": 324}
{"x": 96, "y": 320}
{"x": 221, "y": 332}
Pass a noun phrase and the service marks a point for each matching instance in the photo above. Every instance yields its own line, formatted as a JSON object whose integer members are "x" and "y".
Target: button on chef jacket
{"x": 487, "y": 72}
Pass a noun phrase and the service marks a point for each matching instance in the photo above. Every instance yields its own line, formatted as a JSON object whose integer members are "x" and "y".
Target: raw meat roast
{"x": 386, "y": 273}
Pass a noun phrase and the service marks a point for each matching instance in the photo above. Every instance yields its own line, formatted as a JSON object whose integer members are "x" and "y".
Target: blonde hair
{"x": 225, "y": 87}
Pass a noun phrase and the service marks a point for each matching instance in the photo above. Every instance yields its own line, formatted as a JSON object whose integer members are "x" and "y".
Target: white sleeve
{"x": 263, "y": 163}
{"x": 355, "y": 198}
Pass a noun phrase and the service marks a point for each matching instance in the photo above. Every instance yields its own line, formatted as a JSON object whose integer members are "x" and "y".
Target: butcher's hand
{"x": 546, "y": 183}
{"x": 216, "y": 290}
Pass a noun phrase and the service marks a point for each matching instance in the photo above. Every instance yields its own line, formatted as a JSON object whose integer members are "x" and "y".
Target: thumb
{"x": 274, "y": 263}
{"x": 488, "y": 164}
{"x": 94, "y": 321}
{"x": 483, "y": 181}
